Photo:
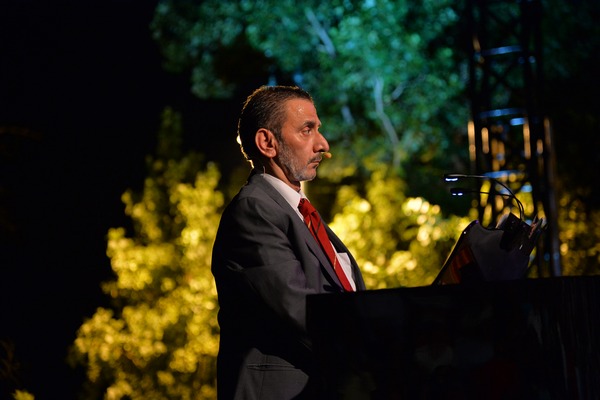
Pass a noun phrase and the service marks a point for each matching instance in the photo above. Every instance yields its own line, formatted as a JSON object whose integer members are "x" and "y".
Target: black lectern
{"x": 523, "y": 339}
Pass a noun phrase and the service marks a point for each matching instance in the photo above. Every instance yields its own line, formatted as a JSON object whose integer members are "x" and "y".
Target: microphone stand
{"x": 460, "y": 191}
{"x": 517, "y": 233}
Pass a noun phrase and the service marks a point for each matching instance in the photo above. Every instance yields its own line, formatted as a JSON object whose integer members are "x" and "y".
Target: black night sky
{"x": 82, "y": 89}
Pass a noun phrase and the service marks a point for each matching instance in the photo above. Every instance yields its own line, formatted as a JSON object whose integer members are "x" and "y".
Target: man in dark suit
{"x": 265, "y": 259}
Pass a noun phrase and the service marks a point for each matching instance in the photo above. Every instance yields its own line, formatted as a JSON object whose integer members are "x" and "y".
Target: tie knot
{"x": 305, "y": 207}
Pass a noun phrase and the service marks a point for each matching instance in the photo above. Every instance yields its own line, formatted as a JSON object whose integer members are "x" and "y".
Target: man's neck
{"x": 276, "y": 171}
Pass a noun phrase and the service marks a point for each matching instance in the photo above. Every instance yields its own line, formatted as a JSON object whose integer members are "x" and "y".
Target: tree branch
{"x": 321, "y": 32}
{"x": 388, "y": 128}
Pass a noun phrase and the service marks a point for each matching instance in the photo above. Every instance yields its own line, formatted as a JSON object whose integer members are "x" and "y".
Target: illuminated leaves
{"x": 397, "y": 241}
{"x": 579, "y": 235}
{"x": 160, "y": 339}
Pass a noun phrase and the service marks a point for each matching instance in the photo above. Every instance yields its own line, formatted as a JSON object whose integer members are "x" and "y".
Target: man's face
{"x": 299, "y": 151}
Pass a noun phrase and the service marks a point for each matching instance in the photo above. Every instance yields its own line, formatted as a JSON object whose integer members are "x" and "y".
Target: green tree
{"x": 571, "y": 36}
{"x": 160, "y": 339}
{"x": 579, "y": 235}
{"x": 384, "y": 72}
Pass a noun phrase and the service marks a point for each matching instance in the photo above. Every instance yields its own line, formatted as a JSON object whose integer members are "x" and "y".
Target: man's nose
{"x": 322, "y": 143}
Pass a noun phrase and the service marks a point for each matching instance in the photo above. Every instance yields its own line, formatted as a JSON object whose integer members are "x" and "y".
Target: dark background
{"x": 81, "y": 93}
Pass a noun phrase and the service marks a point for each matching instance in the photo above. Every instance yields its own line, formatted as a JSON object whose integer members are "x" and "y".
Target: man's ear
{"x": 266, "y": 142}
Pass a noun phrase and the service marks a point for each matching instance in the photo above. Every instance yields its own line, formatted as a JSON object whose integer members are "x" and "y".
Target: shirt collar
{"x": 290, "y": 195}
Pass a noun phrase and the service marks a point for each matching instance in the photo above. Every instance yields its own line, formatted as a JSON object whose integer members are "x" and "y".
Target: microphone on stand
{"x": 528, "y": 234}
{"x": 460, "y": 191}
{"x": 491, "y": 254}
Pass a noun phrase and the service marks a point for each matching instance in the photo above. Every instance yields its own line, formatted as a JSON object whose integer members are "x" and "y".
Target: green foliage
{"x": 397, "y": 241}
{"x": 576, "y": 22}
{"x": 384, "y": 72}
{"x": 160, "y": 340}
{"x": 579, "y": 233}
{"x": 571, "y": 51}
{"x": 23, "y": 395}
{"x": 571, "y": 43}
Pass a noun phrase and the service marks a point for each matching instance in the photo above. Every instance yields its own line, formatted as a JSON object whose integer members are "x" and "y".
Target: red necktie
{"x": 316, "y": 227}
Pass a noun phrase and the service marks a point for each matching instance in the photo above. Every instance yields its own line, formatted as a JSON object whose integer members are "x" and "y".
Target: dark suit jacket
{"x": 265, "y": 262}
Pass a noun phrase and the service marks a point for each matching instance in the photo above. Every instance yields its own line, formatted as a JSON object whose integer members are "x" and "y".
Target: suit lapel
{"x": 269, "y": 190}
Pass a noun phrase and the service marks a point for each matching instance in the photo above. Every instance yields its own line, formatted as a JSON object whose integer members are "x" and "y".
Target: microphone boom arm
{"x": 456, "y": 191}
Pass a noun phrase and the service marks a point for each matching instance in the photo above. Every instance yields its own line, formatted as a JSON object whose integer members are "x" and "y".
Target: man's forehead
{"x": 302, "y": 110}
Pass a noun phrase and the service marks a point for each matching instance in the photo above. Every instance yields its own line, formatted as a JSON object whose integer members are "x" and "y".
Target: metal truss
{"x": 509, "y": 138}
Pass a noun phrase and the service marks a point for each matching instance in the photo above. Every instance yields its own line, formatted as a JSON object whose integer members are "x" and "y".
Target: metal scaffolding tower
{"x": 509, "y": 138}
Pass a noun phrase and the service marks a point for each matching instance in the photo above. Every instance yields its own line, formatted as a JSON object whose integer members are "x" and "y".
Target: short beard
{"x": 292, "y": 167}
